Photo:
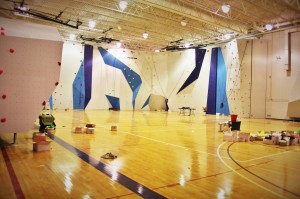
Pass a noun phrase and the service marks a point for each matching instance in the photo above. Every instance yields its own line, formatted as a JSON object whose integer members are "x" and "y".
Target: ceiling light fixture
{"x": 183, "y": 22}
{"x": 145, "y": 35}
{"x": 187, "y": 44}
{"x": 269, "y": 26}
{"x": 118, "y": 44}
{"x": 123, "y": 5}
{"x": 92, "y": 24}
{"x": 225, "y": 8}
{"x": 72, "y": 37}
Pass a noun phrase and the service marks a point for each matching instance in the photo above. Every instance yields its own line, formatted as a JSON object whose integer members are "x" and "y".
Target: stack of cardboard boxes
{"x": 40, "y": 142}
{"x": 88, "y": 129}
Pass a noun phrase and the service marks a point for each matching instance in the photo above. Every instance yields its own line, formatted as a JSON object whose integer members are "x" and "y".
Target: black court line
{"x": 228, "y": 152}
{"x": 130, "y": 184}
{"x": 14, "y": 180}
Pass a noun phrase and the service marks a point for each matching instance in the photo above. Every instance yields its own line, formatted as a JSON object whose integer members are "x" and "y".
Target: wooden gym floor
{"x": 160, "y": 155}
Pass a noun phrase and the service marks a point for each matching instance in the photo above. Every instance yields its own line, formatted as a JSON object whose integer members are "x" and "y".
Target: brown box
{"x": 80, "y": 130}
{"x": 90, "y": 125}
{"x": 37, "y": 134}
{"x": 42, "y": 146}
{"x": 39, "y": 138}
{"x": 269, "y": 141}
{"x": 90, "y": 130}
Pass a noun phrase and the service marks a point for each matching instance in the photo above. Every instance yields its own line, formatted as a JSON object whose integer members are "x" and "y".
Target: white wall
{"x": 282, "y": 85}
{"x": 258, "y": 84}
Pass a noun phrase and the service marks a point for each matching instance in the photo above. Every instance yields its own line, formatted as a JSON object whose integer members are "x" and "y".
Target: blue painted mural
{"x": 133, "y": 79}
{"x": 199, "y": 57}
{"x": 146, "y": 102}
{"x": 79, "y": 89}
{"x": 217, "y": 98}
{"x": 82, "y": 84}
{"x": 114, "y": 101}
{"x": 221, "y": 99}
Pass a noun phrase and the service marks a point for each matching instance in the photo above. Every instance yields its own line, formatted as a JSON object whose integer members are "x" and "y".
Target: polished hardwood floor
{"x": 160, "y": 155}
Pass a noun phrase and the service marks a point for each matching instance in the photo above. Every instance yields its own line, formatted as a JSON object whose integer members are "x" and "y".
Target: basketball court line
{"x": 246, "y": 178}
{"x": 14, "y": 180}
{"x": 252, "y": 173}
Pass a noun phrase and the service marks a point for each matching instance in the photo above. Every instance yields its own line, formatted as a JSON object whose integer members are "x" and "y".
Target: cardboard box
{"x": 282, "y": 143}
{"x": 230, "y": 136}
{"x": 113, "y": 128}
{"x": 269, "y": 141}
{"x": 80, "y": 130}
{"x": 42, "y": 146}
{"x": 90, "y": 130}
{"x": 90, "y": 125}
{"x": 37, "y": 134}
{"x": 243, "y": 137}
{"x": 39, "y": 138}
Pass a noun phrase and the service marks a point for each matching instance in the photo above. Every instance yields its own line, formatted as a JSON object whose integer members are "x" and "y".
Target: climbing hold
{"x": 2, "y": 33}
{"x": 44, "y": 103}
{"x": 2, "y": 28}
{"x": 11, "y": 50}
{"x": 59, "y": 63}
{"x": 3, "y": 119}
{"x": 1, "y": 71}
{"x": 56, "y": 83}
{"x": 3, "y": 96}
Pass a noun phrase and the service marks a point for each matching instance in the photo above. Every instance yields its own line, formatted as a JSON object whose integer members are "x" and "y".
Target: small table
{"x": 182, "y": 110}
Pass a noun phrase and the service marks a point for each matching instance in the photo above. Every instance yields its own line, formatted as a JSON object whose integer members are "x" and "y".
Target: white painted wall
{"x": 282, "y": 85}
{"x": 254, "y": 68}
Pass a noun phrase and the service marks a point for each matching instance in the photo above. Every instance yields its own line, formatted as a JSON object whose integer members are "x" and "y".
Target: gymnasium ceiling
{"x": 206, "y": 23}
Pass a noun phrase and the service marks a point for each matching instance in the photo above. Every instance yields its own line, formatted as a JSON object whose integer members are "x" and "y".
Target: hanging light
{"x": 145, "y": 35}
{"x": 269, "y": 26}
{"x": 183, "y": 22}
{"x": 123, "y": 5}
{"x": 187, "y": 44}
{"x": 225, "y": 8}
{"x": 72, "y": 36}
{"x": 92, "y": 24}
{"x": 118, "y": 44}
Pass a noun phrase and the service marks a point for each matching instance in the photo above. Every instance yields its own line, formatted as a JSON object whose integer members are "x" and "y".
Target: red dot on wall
{"x": 11, "y": 50}
{"x": 56, "y": 83}
{"x": 1, "y": 71}
{"x": 4, "y": 96}
{"x": 3, "y": 119}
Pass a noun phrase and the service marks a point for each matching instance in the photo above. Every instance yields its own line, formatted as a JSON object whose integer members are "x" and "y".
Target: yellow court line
{"x": 255, "y": 183}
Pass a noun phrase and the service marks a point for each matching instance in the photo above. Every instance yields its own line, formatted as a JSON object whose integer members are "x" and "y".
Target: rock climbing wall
{"x": 30, "y": 57}
{"x": 237, "y": 56}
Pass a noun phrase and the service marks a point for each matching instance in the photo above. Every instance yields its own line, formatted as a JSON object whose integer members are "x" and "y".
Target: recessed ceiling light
{"x": 225, "y": 8}
{"x": 123, "y": 5}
